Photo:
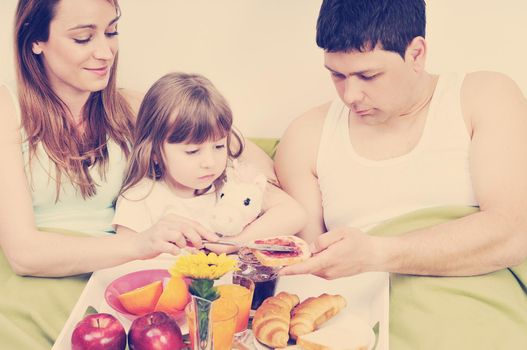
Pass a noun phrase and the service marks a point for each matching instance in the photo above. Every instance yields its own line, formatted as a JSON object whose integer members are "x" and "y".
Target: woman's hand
{"x": 171, "y": 233}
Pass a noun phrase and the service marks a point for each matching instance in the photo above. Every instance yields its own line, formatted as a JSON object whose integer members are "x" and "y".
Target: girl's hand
{"x": 171, "y": 233}
{"x": 220, "y": 248}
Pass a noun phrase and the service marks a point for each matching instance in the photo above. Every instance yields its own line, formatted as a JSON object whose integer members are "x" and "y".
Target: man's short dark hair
{"x": 360, "y": 25}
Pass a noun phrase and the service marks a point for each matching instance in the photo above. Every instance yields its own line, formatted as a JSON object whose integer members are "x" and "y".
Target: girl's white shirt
{"x": 146, "y": 203}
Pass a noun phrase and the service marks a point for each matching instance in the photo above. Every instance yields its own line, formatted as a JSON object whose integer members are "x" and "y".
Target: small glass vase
{"x": 199, "y": 318}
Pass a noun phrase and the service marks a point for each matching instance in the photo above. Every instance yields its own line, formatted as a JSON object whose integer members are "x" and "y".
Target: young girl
{"x": 183, "y": 143}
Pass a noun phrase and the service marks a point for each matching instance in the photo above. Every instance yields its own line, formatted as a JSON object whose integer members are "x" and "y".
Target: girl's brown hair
{"x": 178, "y": 108}
{"x": 45, "y": 117}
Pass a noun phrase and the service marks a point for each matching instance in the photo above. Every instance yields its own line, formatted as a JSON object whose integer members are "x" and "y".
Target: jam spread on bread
{"x": 281, "y": 242}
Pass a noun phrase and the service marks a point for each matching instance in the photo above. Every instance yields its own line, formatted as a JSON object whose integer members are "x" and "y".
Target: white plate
{"x": 260, "y": 346}
{"x": 361, "y": 334}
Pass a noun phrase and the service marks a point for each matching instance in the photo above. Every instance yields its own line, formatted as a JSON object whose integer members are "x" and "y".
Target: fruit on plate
{"x": 155, "y": 331}
{"x": 99, "y": 331}
{"x": 143, "y": 300}
{"x": 175, "y": 296}
{"x": 268, "y": 258}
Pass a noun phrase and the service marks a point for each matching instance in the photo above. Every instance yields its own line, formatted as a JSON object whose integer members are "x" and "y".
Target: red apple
{"x": 155, "y": 331}
{"x": 98, "y": 332}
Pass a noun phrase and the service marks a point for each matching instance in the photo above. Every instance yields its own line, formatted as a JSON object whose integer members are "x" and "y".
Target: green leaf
{"x": 90, "y": 310}
{"x": 204, "y": 288}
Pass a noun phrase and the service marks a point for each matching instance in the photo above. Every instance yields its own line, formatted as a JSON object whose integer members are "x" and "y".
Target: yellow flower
{"x": 202, "y": 266}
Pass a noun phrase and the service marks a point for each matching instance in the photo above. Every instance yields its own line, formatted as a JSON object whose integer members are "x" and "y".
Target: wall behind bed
{"x": 261, "y": 53}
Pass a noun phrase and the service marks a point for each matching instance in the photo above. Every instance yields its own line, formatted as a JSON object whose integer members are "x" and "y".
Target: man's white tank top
{"x": 360, "y": 192}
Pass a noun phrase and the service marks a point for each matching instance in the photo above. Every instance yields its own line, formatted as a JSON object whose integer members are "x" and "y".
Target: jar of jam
{"x": 264, "y": 277}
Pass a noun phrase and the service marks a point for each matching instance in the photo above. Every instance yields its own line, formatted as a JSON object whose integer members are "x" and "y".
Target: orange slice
{"x": 143, "y": 300}
{"x": 175, "y": 296}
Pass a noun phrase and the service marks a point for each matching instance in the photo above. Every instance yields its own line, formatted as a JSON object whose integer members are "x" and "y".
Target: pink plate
{"x": 130, "y": 282}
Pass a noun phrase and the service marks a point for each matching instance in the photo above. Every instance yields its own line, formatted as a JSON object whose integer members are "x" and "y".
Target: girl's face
{"x": 191, "y": 167}
{"x": 81, "y": 47}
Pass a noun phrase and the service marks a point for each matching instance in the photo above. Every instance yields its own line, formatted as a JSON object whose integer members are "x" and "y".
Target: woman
{"x": 66, "y": 164}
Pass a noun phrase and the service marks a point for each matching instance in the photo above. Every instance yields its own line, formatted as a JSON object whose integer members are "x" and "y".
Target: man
{"x": 400, "y": 139}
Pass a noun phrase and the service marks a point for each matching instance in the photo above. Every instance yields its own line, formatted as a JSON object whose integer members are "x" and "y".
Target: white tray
{"x": 367, "y": 296}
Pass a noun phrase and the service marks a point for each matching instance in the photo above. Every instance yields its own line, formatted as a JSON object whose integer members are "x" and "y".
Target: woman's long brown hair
{"x": 178, "y": 108}
{"x": 47, "y": 120}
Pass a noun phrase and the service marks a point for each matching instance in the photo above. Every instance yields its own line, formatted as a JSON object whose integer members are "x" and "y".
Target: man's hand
{"x": 338, "y": 253}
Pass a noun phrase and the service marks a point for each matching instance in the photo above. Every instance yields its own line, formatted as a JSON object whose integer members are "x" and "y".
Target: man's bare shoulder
{"x": 299, "y": 144}
{"x": 483, "y": 84}
{"x": 310, "y": 123}
{"x": 485, "y": 91}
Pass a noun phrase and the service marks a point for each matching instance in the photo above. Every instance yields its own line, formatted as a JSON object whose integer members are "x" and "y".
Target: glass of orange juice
{"x": 223, "y": 315}
{"x": 241, "y": 292}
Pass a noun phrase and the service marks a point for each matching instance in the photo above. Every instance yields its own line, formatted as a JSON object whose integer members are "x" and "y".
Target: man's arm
{"x": 495, "y": 237}
{"x": 492, "y": 239}
{"x": 295, "y": 166}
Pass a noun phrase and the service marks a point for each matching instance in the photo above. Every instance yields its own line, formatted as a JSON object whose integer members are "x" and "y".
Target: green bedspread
{"x": 479, "y": 312}
{"x": 33, "y": 310}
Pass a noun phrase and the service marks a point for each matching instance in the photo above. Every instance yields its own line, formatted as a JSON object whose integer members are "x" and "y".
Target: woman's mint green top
{"x": 92, "y": 215}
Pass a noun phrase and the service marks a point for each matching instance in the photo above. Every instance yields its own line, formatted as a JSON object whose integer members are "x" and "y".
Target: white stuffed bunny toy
{"x": 239, "y": 200}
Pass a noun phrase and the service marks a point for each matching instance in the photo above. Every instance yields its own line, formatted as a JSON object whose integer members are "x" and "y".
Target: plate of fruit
{"x": 141, "y": 292}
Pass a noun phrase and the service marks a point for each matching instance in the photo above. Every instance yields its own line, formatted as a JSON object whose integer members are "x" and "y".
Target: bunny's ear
{"x": 261, "y": 181}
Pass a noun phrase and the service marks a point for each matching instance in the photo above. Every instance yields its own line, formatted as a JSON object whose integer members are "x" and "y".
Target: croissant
{"x": 312, "y": 312}
{"x": 271, "y": 320}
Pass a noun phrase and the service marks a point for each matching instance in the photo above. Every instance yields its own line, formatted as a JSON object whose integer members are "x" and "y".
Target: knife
{"x": 267, "y": 247}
